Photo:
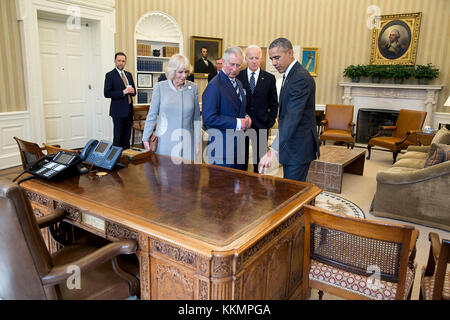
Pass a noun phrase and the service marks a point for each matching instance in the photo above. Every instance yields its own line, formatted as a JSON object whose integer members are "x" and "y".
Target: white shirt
{"x": 289, "y": 69}
{"x": 249, "y": 74}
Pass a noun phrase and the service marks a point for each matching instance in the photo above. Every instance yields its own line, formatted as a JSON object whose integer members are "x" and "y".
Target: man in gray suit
{"x": 296, "y": 144}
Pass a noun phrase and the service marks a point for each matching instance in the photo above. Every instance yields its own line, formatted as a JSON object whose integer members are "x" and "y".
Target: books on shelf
{"x": 149, "y": 65}
{"x": 144, "y": 50}
{"x": 170, "y": 51}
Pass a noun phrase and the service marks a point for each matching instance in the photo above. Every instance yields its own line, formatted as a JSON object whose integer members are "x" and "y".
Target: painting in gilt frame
{"x": 395, "y": 42}
{"x": 310, "y": 59}
{"x": 204, "y": 53}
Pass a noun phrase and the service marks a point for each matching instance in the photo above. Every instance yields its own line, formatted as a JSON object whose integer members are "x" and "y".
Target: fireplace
{"x": 370, "y": 120}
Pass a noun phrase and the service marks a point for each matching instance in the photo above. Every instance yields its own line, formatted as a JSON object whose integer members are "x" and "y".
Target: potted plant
{"x": 377, "y": 72}
{"x": 354, "y": 72}
{"x": 401, "y": 72}
{"x": 424, "y": 73}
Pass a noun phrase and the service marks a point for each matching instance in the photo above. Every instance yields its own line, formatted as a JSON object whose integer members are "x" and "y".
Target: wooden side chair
{"x": 435, "y": 281}
{"x": 29, "y": 152}
{"x": 29, "y": 271}
{"x": 55, "y": 149}
{"x": 356, "y": 258}
{"x": 139, "y": 116}
{"x": 338, "y": 124}
{"x": 408, "y": 122}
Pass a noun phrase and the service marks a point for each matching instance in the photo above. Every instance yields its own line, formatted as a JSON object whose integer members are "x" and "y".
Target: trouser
{"x": 259, "y": 148}
{"x": 122, "y": 130}
{"x": 297, "y": 172}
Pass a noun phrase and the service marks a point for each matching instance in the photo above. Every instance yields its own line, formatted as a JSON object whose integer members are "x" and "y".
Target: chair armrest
{"x": 52, "y": 218}
{"x": 414, "y": 236}
{"x": 388, "y": 127}
{"x": 404, "y": 138}
{"x": 59, "y": 274}
{"x": 324, "y": 122}
{"x": 435, "y": 244}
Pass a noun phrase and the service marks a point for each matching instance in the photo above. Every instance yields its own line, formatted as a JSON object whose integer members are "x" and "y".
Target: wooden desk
{"x": 204, "y": 232}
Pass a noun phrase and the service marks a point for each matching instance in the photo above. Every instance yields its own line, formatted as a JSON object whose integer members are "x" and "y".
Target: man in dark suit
{"x": 119, "y": 87}
{"x": 262, "y": 103}
{"x": 296, "y": 143}
{"x": 203, "y": 65}
{"x": 223, "y": 112}
{"x": 219, "y": 65}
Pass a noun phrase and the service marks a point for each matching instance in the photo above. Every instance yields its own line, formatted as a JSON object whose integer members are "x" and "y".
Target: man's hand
{"x": 266, "y": 161}
{"x": 246, "y": 123}
{"x": 146, "y": 145}
{"x": 249, "y": 121}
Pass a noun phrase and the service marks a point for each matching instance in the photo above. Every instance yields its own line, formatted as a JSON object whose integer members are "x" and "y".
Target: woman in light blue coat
{"x": 175, "y": 111}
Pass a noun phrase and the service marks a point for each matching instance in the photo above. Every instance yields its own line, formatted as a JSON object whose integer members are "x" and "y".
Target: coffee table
{"x": 327, "y": 171}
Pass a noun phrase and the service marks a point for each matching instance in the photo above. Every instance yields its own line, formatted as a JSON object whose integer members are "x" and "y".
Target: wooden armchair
{"x": 55, "y": 149}
{"x": 356, "y": 258}
{"x": 139, "y": 116}
{"x": 338, "y": 124}
{"x": 29, "y": 152}
{"x": 435, "y": 281}
{"x": 408, "y": 122}
{"x": 29, "y": 271}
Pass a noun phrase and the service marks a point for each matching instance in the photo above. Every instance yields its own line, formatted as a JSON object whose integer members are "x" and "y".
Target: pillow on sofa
{"x": 442, "y": 136}
{"x": 438, "y": 153}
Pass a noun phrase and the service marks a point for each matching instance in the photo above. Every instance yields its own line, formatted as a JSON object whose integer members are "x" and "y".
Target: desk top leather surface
{"x": 212, "y": 204}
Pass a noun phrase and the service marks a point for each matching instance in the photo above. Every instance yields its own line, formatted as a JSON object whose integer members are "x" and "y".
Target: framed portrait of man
{"x": 310, "y": 59}
{"x": 395, "y": 42}
{"x": 204, "y": 52}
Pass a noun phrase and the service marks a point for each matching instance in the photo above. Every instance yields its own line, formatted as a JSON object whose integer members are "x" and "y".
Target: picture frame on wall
{"x": 310, "y": 59}
{"x": 395, "y": 42}
{"x": 204, "y": 53}
{"x": 145, "y": 80}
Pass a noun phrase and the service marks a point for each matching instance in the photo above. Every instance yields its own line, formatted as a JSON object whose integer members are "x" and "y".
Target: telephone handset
{"x": 101, "y": 154}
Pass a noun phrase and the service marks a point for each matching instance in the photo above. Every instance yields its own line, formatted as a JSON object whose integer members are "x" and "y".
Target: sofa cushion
{"x": 413, "y": 155}
{"x": 442, "y": 136}
{"x": 410, "y": 163}
{"x": 438, "y": 153}
{"x": 400, "y": 170}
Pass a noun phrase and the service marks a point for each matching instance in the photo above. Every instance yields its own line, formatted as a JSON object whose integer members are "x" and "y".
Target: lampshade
{"x": 447, "y": 103}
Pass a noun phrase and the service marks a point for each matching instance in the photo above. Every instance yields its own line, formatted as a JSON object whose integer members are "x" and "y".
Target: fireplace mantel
{"x": 392, "y": 96}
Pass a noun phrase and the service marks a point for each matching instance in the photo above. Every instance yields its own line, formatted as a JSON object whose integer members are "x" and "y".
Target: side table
{"x": 424, "y": 138}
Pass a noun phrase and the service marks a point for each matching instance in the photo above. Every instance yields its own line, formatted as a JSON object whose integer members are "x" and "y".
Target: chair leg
{"x": 395, "y": 154}
{"x": 132, "y": 137}
{"x": 369, "y": 149}
{"x": 320, "y": 295}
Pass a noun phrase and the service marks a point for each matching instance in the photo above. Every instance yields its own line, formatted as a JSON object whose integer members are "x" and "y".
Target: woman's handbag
{"x": 153, "y": 142}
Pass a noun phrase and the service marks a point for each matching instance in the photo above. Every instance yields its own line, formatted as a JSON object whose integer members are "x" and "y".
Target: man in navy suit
{"x": 119, "y": 87}
{"x": 296, "y": 144}
{"x": 223, "y": 112}
{"x": 262, "y": 103}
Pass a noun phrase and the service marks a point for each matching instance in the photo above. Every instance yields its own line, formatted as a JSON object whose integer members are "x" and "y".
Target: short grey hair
{"x": 177, "y": 62}
{"x": 281, "y": 43}
{"x": 253, "y": 46}
{"x": 231, "y": 50}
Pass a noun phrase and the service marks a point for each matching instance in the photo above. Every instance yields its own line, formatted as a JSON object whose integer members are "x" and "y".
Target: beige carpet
{"x": 360, "y": 190}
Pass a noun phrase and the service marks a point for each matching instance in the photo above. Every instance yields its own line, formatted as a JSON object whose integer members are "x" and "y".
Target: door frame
{"x": 102, "y": 14}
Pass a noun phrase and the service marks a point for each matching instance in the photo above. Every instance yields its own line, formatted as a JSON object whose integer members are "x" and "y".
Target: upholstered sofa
{"x": 417, "y": 188}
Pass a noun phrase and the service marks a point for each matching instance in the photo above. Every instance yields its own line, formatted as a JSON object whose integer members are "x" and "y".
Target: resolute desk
{"x": 203, "y": 232}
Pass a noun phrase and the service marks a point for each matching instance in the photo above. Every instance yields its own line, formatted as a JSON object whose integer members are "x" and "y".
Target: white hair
{"x": 177, "y": 62}
{"x": 253, "y": 46}
{"x": 231, "y": 50}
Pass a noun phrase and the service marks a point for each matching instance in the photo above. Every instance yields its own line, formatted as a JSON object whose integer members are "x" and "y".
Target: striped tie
{"x": 236, "y": 87}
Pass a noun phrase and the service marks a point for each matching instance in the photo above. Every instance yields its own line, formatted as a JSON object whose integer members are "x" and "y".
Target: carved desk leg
{"x": 144, "y": 265}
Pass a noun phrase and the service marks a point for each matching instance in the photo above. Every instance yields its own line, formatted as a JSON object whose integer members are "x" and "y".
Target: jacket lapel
{"x": 230, "y": 88}
{"x": 286, "y": 84}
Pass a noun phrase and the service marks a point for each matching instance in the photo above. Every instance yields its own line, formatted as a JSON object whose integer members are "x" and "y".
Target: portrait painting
{"x": 395, "y": 42}
{"x": 204, "y": 53}
{"x": 310, "y": 59}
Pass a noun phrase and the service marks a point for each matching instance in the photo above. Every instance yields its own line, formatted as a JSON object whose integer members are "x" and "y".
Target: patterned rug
{"x": 335, "y": 203}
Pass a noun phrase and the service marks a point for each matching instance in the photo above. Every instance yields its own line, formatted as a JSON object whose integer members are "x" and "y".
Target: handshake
{"x": 246, "y": 123}
{"x": 128, "y": 90}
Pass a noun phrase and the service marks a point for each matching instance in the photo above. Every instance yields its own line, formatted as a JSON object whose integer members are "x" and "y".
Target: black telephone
{"x": 61, "y": 165}
{"x": 101, "y": 154}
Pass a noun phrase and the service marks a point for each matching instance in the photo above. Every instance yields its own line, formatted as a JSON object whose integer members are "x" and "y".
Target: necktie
{"x": 125, "y": 82}
{"x": 284, "y": 78}
{"x": 252, "y": 82}
{"x": 236, "y": 87}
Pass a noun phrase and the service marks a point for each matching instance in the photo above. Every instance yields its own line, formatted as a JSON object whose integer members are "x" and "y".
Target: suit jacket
{"x": 200, "y": 66}
{"x": 113, "y": 89}
{"x": 297, "y": 141}
{"x": 212, "y": 75}
{"x": 221, "y": 107}
{"x": 262, "y": 104}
